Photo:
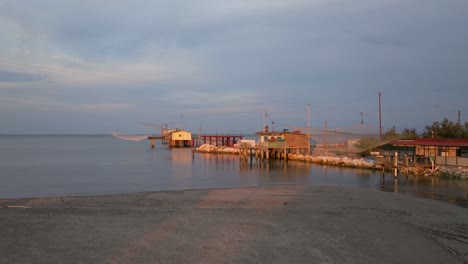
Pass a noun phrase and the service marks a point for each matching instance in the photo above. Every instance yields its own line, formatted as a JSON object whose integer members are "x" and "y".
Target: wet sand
{"x": 284, "y": 224}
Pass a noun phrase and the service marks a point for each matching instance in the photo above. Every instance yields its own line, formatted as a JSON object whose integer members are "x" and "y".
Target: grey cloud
{"x": 14, "y": 77}
{"x": 332, "y": 53}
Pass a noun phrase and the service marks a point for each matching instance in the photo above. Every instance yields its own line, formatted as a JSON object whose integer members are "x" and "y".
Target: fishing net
{"x": 130, "y": 137}
{"x": 359, "y": 138}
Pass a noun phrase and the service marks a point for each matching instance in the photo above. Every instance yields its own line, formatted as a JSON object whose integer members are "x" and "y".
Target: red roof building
{"x": 445, "y": 151}
{"x": 434, "y": 142}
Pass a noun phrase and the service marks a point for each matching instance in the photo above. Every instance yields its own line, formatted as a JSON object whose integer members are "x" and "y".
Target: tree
{"x": 390, "y": 134}
{"x": 409, "y": 133}
{"x": 367, "y": 143}
{"x": 465, "y": 132}
{"x": 431, "y": 130}
{"x": 446, "y": 129}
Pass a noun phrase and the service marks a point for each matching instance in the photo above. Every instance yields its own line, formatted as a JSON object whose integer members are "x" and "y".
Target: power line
{"x": 74, "y": 72}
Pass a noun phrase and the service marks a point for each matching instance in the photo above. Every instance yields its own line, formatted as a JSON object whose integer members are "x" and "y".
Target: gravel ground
{"x": 284, "y": 224}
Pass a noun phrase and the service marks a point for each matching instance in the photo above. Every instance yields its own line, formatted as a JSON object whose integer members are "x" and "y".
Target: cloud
{"x": 208, "y": 56}
{"x": 14, "y": 77}
{"x": 104, "y": 106}
{"x": 51, "y": 104}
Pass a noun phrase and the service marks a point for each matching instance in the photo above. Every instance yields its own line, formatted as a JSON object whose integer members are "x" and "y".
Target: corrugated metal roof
{"x": 437, "y": 142}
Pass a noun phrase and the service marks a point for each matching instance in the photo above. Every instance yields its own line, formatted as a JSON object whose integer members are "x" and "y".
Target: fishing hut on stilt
{"x": 276, "y": 145}
{"x": 175, "y": 138}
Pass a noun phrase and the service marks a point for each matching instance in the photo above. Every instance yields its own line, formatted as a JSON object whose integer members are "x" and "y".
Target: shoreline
{"x": 278, "y": 224}
{"x": 350, "y": 162}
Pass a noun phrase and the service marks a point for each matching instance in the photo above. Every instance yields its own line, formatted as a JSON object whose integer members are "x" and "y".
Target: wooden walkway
{"x": 219, "y": 140}
{"x": 266, "y": 153}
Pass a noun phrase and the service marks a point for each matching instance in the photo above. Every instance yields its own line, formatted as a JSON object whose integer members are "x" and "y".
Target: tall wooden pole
{"x": 308, "y": 128}
{"x": 380, "y": 123}
{"x": 326, "y": 147}
{"x": 263, "y": 121}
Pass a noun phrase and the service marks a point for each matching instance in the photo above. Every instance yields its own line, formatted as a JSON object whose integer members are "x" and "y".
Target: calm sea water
{"x": 56, "y": 165}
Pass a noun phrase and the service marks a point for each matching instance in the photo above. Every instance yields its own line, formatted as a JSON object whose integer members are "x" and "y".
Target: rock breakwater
{"x": 207, "y": 148}
{"x": 325, "y": 160}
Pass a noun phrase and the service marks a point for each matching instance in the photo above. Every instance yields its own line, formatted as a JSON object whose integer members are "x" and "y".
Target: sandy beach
{"x": 284, "y": 224}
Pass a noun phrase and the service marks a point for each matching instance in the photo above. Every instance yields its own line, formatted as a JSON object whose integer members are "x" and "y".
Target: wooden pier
{"x": 264, "y": 152}
{"x": 219, "y": 140}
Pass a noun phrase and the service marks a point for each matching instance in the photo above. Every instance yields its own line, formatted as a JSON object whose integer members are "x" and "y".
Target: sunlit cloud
{"x": 203, "y": 57}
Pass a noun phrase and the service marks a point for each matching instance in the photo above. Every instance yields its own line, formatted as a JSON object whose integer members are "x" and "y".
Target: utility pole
{"x": 459, "y": 125}
{"x": 308, "y": 127}
{"x": 326, "y": 147}
{"x": 380, "y": 122}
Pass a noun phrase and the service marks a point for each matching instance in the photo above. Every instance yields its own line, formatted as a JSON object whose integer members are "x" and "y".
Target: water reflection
{"x": 450, "y": 190}
{"x": 271, "y": 172}
{"x": 181, "y": 160}
{"x": 36, "y": 166}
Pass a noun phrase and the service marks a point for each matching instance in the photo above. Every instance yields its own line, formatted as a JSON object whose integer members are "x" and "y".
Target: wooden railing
{"x": 277, "y": 144}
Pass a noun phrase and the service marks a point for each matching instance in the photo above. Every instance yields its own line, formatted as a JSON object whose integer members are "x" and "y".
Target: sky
{"x": 97, "y": 67}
